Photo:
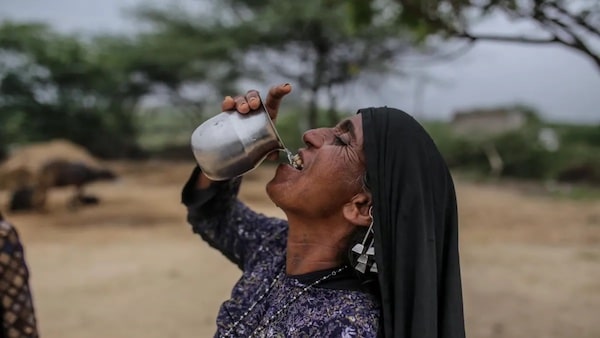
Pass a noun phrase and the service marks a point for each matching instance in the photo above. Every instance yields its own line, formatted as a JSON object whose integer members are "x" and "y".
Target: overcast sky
{"x": 562, "y": 84}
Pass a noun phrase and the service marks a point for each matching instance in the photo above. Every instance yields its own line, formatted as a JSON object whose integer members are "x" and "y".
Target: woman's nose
{"x": 314, "y": 138}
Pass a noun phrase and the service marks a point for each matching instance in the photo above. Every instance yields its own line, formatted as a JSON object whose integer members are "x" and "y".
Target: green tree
{"x": 56, "y": 85}
{"x": 318, "y": 45}
{"x": 186, "y": 57}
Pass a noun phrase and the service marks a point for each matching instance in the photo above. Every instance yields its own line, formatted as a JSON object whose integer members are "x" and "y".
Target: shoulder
{"x": 363, "y": 325}
{"x": 351, "y": 301}
{"x": 337, "y": 313}
{"x": 345, "y": 326}
{"x": 357, "y": 315}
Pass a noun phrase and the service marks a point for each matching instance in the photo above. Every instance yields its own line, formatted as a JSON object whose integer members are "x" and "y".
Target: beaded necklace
{"x": 276, "y": 315}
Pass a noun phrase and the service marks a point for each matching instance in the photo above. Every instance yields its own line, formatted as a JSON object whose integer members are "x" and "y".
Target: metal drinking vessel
{"x": 231, "y": 144}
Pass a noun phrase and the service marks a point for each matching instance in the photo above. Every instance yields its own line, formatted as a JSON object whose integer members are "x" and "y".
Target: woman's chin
{"x": 280, "y": 187}
{"x": 285, "y": 173}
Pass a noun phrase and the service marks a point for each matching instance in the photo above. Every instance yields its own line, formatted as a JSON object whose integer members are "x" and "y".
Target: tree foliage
{"x": 187, "y": 57}
{"x": 318, "y": 45}
{"x": 56, "y": 85}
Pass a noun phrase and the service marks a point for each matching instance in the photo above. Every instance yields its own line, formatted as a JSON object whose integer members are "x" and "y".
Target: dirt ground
{"x": 131, "y": 267}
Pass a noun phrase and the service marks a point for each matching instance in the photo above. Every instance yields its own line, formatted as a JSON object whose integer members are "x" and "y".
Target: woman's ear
{"x": 357, "y": 210}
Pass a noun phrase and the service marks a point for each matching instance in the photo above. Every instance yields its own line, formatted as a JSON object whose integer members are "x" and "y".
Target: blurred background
{"x": 98, "y": 101}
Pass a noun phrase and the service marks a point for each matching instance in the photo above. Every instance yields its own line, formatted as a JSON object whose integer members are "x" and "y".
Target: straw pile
{"x": 23, "y": 163}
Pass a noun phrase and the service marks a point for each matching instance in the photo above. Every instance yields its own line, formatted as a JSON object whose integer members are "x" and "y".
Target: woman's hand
{"x": 251, "y": 101}
{"x": 246, "y": 103}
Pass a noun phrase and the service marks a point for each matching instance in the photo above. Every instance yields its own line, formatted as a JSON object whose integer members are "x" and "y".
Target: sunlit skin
{"x": 325, "y": 201}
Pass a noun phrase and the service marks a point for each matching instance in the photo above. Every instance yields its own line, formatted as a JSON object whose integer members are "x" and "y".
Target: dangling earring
{"x": 366, "y": 254}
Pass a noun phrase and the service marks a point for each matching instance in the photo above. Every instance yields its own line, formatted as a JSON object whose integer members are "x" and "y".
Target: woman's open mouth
{"x": 296, "y": 162}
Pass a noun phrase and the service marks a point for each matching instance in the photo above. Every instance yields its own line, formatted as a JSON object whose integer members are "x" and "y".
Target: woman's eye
{"x": 340, "y": 141}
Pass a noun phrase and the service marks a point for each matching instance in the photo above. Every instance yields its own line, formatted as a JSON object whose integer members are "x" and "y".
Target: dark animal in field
{"x": 22, "y": 199}
{"x": 56, "y": 174}
{"x": 61, "y": 173}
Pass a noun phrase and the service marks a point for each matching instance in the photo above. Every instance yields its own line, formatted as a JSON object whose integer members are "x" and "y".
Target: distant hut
{"x": 478, "y": 124}
{"x": 486, "y": 122}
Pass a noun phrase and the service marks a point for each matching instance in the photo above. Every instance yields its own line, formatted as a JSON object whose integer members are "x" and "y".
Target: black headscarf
{"x": 416, "y": 228}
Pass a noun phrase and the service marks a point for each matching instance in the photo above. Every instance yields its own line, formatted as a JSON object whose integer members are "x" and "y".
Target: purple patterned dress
{"x": 256, "y": 243}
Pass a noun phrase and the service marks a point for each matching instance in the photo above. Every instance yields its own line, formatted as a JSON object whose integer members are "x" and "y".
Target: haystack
{"x": 23, "y": 163}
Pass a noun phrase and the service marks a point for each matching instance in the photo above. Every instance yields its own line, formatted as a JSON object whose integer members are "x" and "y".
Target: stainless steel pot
{"x": 231, "y": 144}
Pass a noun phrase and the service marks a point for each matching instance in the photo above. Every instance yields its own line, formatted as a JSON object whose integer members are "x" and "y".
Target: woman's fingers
{"x": 228, "y": 103}
{"x": 251, "y": 100}
{"x": 238, "y": 103}
{"x": 276, "y": 93}
{"x": 241, "y": 104}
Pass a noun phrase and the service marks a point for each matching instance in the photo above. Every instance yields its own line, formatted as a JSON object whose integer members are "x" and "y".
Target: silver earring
{"x": 366, "y": 253}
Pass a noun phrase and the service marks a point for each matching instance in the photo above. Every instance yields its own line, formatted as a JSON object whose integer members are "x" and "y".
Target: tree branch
{"x": 577, "y": 19}
{"x": 519, "y": 39}
{"x": 576, "y": 42}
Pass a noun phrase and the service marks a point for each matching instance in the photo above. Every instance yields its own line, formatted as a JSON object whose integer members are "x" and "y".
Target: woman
{"x": 16, "y": 307}
{"x": 370, "y": 245}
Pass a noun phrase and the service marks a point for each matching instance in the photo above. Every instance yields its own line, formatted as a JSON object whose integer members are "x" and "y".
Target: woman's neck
{"x": 313, "y": 247}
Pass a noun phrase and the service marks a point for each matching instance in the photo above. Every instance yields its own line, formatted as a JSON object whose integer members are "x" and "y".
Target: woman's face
{"x": 331, "y": 173}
